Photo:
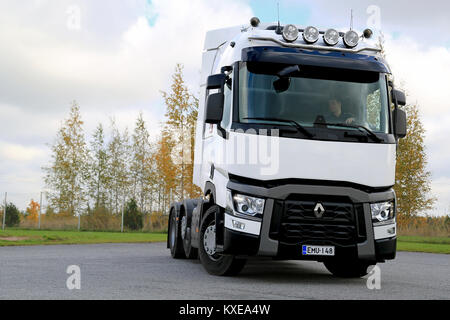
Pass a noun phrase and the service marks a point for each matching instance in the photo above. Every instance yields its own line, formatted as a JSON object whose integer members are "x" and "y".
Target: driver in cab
{"x": 335, "y": 114}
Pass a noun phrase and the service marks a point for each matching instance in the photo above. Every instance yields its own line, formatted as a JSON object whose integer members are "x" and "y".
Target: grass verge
{"x": 19, "y": 237}
{"x": 424, "y": 244}
{"x": 44, "y": 237}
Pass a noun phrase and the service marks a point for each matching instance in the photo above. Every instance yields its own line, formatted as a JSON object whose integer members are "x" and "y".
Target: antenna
{"x": 351, "y": 19}
{"x": 278, "y": 30}
{"x": 278, "y": 9}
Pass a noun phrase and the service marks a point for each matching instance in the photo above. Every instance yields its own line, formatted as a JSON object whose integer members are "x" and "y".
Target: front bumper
{"x": 355, "y": 238}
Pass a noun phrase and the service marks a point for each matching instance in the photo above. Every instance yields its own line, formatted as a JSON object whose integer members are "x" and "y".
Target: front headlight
{"x": 246, "y": 205}
{"x": 382, "y": 211}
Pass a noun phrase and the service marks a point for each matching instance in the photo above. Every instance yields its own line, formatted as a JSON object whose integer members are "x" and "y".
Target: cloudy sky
{"x": 115, "y": 56}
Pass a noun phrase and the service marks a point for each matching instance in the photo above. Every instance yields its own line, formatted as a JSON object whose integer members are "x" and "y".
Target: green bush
{"x": 12, "y": 218}
{"x": 132, "y": 218}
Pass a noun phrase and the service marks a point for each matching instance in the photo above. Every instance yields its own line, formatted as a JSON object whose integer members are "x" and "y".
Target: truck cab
{"x": 295, "y": 151}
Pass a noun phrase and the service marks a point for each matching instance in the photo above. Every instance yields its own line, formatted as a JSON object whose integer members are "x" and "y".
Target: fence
{"x": 424, "y": 226}
{"x": 95, "y": 220}
{"x": 157, "y": 220}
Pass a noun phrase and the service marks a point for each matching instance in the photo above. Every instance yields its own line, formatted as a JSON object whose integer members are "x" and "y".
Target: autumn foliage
{"x": 97, "y": 178}
{"x": 32, "y": 212}
{"x": 412, "y": 180}
{"x": 424, "y": 226}
{"x": 181, "y": 115}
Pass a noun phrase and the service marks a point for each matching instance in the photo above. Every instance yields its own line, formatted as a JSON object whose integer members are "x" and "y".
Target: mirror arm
{"x": 395, "y": 118}
{"x": 226, "y": 69}
{"x": 391, "y": 83}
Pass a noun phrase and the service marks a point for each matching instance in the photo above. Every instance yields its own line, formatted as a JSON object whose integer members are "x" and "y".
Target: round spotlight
{"x": 351, "y": 39}
{"x": 255, "y": 22}
{"x": 310, "y": 35}
{"x": 368, "y": 33}
{"x": 331, "y": 37}
{"x": 290, "y": 33}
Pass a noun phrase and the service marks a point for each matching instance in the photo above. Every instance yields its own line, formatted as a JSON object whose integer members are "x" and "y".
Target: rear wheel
{"x": 213, "y": 262}
{"x": 175, "y": 241}
{"x": 347, "y": 269}
{"x": 189, "y": 251}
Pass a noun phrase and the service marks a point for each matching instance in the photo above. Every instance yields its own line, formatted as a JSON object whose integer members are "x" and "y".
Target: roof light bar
{"x": 331, "y": 37}
{"x": 315, "y": 46}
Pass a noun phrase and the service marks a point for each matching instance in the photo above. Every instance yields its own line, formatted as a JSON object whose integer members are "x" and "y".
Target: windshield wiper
{"x": 369, "y": 132}
{"x": 295, "y": 124}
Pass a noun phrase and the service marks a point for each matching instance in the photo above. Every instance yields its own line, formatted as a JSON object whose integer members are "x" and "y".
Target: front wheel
{"x": 213, "y": 262}
{"x": 347, "y": 269}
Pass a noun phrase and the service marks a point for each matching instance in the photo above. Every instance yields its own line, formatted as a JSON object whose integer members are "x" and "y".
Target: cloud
{"x": 20, "y": 153}
{"x": 20, "y": 171}
{"x": 45, "y": 69}
{"x": 114, "y": 65}
{"x": 117, "y": 62}
{"x": 441, "y": 189}
{"x": 25, "y": 127}
{"x": 423, "y": 72}
{"x": 425, "y": 20}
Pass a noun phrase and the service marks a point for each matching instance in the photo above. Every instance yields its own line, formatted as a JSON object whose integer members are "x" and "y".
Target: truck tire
{"x": 175, "y": 242}
{"x": 189, "y": 251}
{"x": 214, "y": 263}
{"x": 347, "y": 269}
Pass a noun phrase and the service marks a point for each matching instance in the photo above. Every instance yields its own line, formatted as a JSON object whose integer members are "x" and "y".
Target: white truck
{"x": 295, "y": 151}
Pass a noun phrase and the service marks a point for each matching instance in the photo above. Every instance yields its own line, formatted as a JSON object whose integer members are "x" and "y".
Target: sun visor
{"x": 338, "y": 60}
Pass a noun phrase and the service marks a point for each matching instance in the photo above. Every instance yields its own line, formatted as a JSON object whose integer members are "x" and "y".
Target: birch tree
{"x": 181, "y": 115}
{"x": 165, "y": 167}
{"x": 141, "y": 162}
{"x": 412, "y": 179}
{"x": 67, "y": 173}
{"x": 99, "y": 180}
{"x": 118, "y": 170}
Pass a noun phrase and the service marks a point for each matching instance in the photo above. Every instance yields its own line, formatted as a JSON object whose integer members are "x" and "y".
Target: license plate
{"x": 318, "y": 250}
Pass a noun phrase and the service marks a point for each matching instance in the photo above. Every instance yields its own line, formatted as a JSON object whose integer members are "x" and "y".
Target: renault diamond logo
{"x": 319, "y": 210}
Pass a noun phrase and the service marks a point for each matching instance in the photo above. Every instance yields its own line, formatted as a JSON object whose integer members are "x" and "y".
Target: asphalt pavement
{"x": 147, "y": 271}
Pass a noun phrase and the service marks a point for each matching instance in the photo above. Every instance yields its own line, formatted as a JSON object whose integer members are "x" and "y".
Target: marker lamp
{"x": 382, "y": 211}
{"x": 290, "y": 33}
{"x": 311, "y": 35}
{"x": 351, "y": 39}
{"x": 331, "y": 37}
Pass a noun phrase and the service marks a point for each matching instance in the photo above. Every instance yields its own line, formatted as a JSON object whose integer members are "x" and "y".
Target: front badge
{"x": 319, "y": 210}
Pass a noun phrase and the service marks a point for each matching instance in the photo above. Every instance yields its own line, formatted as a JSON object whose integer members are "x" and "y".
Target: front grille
{"x": 298, "y": 223}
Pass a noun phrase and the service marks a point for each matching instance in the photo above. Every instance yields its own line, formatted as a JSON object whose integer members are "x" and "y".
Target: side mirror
{"x": 399, "y": 123}
{"x": 214, "y": 108}
{"x": 399, "y": 96}
{"x": 216, "y": 81}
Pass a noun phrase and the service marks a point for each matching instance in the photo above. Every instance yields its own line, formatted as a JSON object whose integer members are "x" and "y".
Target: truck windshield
{"x": 312, "y": 96}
